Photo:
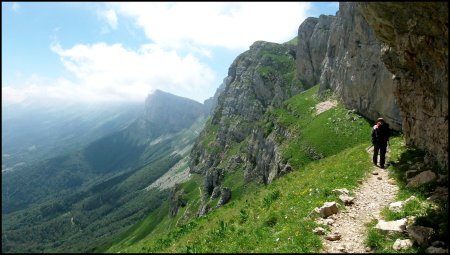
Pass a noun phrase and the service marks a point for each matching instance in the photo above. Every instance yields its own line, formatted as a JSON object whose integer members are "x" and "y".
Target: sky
{"x": 122, "y": 51}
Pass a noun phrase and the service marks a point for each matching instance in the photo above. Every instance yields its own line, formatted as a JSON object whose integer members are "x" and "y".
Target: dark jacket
{"x": 381, "y": 134}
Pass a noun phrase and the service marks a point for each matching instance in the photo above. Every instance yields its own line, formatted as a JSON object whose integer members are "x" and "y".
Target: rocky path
{"x": 374, "y": 193}
{"x": 325, "y": 106}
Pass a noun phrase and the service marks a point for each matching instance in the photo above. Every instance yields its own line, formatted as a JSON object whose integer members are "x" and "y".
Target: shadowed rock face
{"x": 352, "y": 67}
{"x": 313, "y": 36}
{"x": 416, "y": 52}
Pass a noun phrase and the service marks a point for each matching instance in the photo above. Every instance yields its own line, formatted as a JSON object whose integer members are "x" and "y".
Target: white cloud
{"x": 105, "y": 72}
{"x": 31, "y": 88}
{"x": 110, "y": 17}
{"x": 111, "y": 72}
{"x": 13, "y": 95}
{"x": 228, "y": 25}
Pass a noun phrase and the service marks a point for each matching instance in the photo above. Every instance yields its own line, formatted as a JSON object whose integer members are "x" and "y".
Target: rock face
{"x": 225, "y": 196}
{"x": 176, "y": 200}
{"x": 212, "y": 180}
{"x": 353, "y": 69}
{"x": 262, "y": 77}
{"x": 416, "y": 51}
{"x": 313, "y": 36}
{"x": 204, "y": 209}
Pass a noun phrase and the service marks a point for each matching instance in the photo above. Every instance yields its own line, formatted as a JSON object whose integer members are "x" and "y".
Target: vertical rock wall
{"x": 260, "y": 78}
{"x": 313, "y": 36}
{"x": 416, "y": 51}
{"x": 353, "y": 68}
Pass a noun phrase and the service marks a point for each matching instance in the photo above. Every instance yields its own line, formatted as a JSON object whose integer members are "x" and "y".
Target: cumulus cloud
{"x": 228, "y": 25}
{"x": 116, "y": 71}
{"x": 110, "y": 17}
{"x": 34, "y": 87}
{"x": 107, "y": 72}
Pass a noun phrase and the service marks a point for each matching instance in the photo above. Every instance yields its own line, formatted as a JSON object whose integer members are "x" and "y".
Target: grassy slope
{"x": 99, "y": 212}
{"x": 273, "y": 218}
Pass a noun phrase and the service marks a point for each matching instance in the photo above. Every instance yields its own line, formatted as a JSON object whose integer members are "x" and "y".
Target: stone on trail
{"x": 328, "y": 209}
{"x": 402, "y": 244}
{"x": 394, "y": 226}
{"x": 347, "y": 200}
{"x": 333, "y": 237}
{"x": 397, "y": 206}
{"x": 343, "y": 191}
{"x": 319, "y": 231}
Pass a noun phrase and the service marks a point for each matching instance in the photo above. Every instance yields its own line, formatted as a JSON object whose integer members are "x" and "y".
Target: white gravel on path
{"x": 370, "y": 198}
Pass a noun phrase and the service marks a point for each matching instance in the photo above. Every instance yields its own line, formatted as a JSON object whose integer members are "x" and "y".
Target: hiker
{"x": 380, "y": 138}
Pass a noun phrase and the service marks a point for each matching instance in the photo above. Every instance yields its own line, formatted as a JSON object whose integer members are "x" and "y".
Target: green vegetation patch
{"x": 318, "y": 136}
{"x": 327, "y": 151}
{"x": 273, "y": 218}
{"x": 210, "y": 134}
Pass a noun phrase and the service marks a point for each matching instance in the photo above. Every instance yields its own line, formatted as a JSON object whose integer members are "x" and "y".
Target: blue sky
{"x": 122, "y": 51}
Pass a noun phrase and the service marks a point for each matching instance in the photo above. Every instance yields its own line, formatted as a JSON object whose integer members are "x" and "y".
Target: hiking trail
{"x": 374, "y": 193}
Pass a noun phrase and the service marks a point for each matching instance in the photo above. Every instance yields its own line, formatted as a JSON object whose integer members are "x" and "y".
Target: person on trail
{"x": 380, "y": 138}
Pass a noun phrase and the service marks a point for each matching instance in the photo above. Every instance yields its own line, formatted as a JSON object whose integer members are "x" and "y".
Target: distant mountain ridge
{"x": 175, "y": 112}
{"x": 116, "y": 151}
{"x": 102, "y": 179}
{"x": 40, "y": 131}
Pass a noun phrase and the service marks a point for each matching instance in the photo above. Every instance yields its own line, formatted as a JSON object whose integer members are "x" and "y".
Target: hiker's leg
{"x": 376, "y": 147}
{"x": 383, "y": 154}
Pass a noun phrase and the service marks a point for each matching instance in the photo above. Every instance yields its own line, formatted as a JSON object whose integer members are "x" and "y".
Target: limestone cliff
{"x": 353, "y": 69}
{"x": 313, "y": 36}
{"x": 416, "y": 51}
{"x": 260, "y": 78}
{"x": 345, "y": 55}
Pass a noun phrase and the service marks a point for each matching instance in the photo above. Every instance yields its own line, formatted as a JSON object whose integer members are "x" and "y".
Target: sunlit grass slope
{"x": 326, "y": 151}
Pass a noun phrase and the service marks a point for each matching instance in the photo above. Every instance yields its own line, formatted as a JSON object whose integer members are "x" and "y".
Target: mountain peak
{"x": 178, "y": 112}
